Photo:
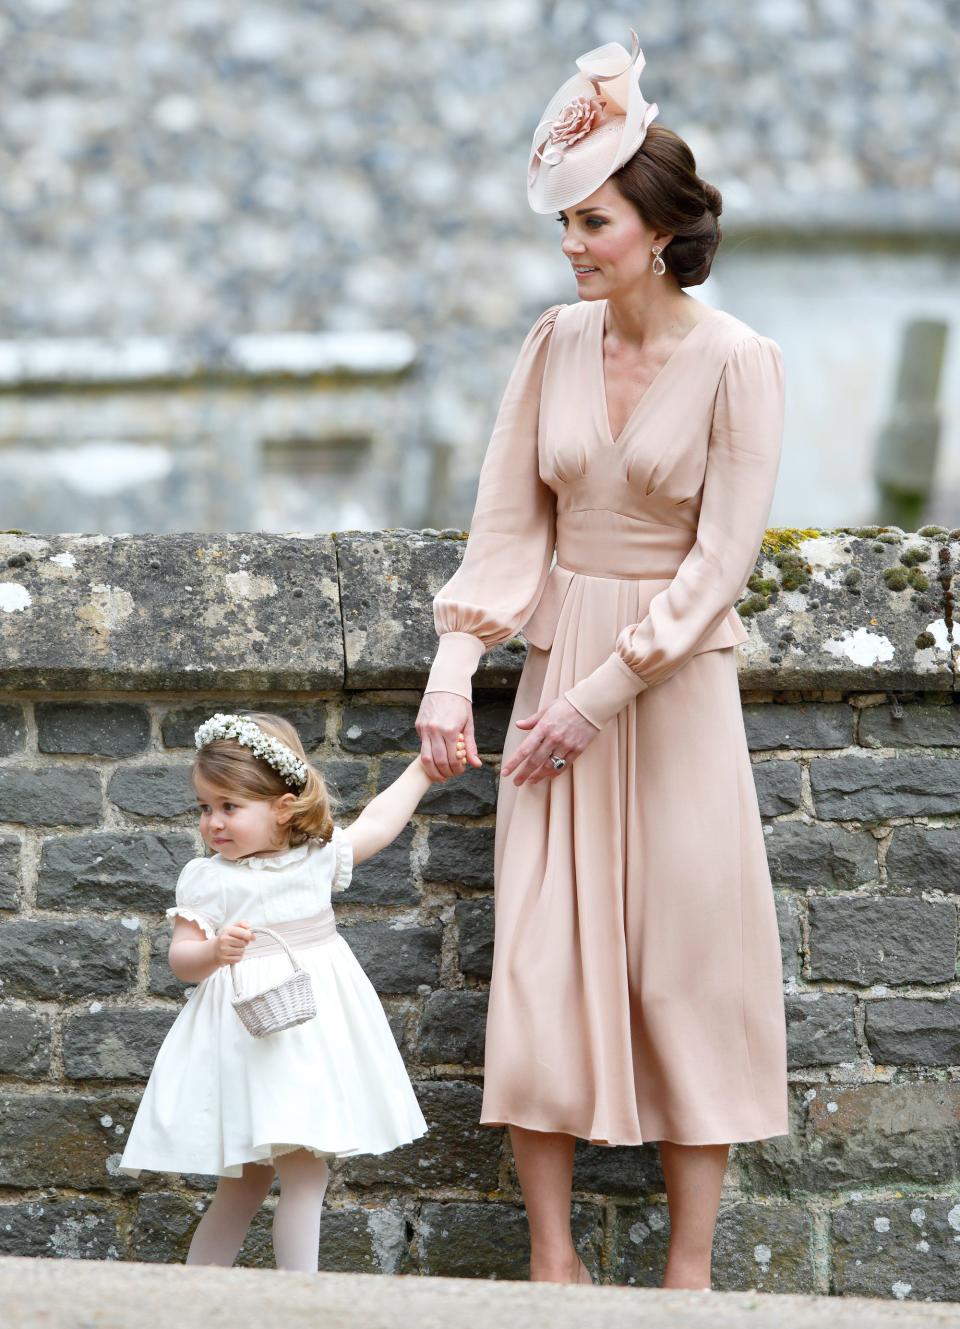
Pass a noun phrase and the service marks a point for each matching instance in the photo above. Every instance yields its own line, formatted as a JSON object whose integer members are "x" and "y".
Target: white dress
{"x": 217, "y": 1097}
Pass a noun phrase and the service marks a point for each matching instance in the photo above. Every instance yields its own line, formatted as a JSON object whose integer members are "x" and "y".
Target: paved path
{"x": 90, "y": 1294}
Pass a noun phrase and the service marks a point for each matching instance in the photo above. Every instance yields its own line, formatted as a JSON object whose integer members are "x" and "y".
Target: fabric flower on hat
{"x": 576, "y": 120}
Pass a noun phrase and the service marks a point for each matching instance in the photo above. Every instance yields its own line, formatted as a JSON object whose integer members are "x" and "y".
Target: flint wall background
{"x": 114, "y": 648}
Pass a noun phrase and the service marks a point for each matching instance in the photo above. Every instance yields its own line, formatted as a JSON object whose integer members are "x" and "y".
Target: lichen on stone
{"x": 753, "y": 604}
{"x": 924, "y": 641}
{"x": 917, "y": 580}
{"x": 896, "y": 578}
{"x": 913, "y": 555}
{"x": 779, "y": 538}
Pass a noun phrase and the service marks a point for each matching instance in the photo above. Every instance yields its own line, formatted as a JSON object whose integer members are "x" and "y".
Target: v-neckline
{"x": 615, "y": 442}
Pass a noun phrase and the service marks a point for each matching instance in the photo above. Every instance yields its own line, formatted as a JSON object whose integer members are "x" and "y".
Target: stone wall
{"x": 113, "y": 650}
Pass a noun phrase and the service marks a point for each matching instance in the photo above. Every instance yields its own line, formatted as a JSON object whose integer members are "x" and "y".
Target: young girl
{"x": 219, "y": 1101}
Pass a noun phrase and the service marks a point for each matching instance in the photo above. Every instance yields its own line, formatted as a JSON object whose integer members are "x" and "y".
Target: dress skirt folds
{"x": 637, "y": 983}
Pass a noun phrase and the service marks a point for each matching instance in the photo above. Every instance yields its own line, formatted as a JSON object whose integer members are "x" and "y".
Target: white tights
{"x": 296, "y": 1219}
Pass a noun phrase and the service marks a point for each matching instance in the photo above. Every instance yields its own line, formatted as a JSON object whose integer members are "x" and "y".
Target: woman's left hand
{"x": 559, "y": 730}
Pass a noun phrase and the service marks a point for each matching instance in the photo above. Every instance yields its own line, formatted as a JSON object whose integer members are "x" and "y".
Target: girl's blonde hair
{"x": 229, "y": 765}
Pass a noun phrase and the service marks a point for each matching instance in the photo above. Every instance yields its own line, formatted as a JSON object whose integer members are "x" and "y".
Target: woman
{"x": 637, "y": 987}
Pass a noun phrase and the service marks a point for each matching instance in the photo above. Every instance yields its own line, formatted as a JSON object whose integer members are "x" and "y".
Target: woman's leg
{"x": 694, "y": 1176}
{"x": 296, "y": 1220}
{"x": 545, "y": 1167}
{"x": 220, "y": 1232}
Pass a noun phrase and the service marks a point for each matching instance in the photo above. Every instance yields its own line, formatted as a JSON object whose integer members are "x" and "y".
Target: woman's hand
{"x": 232, "y": 941}
{"x": 559, "y": 730}
{"x": 442, "y": 718}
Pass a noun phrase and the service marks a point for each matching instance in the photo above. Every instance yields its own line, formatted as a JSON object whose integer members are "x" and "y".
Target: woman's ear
{"x": 282, "y": 808}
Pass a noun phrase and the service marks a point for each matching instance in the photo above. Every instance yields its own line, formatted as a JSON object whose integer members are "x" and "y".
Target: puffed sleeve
{"x": 512, "y": 532}
{"x": 742, "y": 462}
{"x": 342, "y": 861}
{"x": 200, "y": 896}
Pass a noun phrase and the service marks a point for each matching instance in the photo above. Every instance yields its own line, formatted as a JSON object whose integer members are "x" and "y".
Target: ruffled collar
{"x": 275, "y": 861}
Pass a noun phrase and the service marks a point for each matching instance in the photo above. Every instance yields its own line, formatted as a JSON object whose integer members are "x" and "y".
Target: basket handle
{"x": 287, "y": 951}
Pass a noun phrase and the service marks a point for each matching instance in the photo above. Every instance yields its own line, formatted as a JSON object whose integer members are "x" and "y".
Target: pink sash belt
{"x": 300, "y": 934}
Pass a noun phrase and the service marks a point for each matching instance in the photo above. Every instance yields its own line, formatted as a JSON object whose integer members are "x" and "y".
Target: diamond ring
{"x": 558, "y": 762}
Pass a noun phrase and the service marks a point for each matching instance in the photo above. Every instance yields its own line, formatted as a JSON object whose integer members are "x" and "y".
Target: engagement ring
{"x": 558, "y": 762}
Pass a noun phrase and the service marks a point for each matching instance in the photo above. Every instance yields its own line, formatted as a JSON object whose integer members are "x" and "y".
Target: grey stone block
{"x": 349, "y": 783}
{"x": 791, "y": 941}
{"x": 24, "y": 1042}
{"x": 55, "y": 796}
{"x": 764, "y": 1246}
{"x": 51, "y": 960}
{"x": 811, "y": 856}
{"x": 457, "y": 1151}
{"x": 910, "y": 1031}
{"x": 874, "y": 788}
{"x": 924, "y": 858}
{"x": 138, "y": 618}
{"x": 800, "y": 725}
{"x": 365, "y": 1241}
{"x": 178, "y": 727}
{"x": 461, "y": 855}
{"x": 473, "y": 1241}
{"x": 864, "y": 1135}
{"x": 9, "y": 871}
{"x": 472, "y": 794}
{"x": 819, "y": 1029}
{"x": 929, "y": 726}
{"x": 396, "y": 959}
{"x": 13, "y": 730}
{"x": 114, "y": 1044}
{"x": 641, "y": 1237}
{"x": 163, "y": 982}
{"x": 54, "y": 1228}
{"x": 64, "y": 1139}
{"x": 106, "y": 729}
{"x": 894, "y": 940}
{"x": 475, "y": 937}
{"x": 387, "y": 583}
{"x": 153, "y": 791}
{"x": 163, "y": 1227}
{"x": 619, "y": 1172}
{"x": 372, "y": 728}
{"x": 905, "y": 1248}
{"x": 778, "y": 787}
{"x": 454, "y": 1027}
{"x": 387, "y": 877}
{"x": 491, "y": 720}
{"x": 111, "y": 870}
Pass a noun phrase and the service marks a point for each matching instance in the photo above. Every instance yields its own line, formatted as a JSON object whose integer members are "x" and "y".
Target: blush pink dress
{"x": 637, "y": 986}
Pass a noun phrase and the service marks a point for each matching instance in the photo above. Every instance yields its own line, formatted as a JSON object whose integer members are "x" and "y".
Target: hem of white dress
{"x": 735, "y": 1138}
{"x": 233, "y": 1169}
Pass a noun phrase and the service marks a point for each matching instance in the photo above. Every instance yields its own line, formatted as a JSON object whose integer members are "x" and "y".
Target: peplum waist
{"x": 598, "y": 543}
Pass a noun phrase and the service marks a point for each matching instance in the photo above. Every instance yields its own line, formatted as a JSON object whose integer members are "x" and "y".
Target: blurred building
{"x": 204, "y": 203}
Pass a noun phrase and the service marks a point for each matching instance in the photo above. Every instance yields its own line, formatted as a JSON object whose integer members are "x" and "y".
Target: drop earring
{"x": 659, "y": 267}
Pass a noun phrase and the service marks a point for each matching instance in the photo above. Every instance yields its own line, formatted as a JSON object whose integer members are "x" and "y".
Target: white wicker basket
{"x": 287, "y": 1003}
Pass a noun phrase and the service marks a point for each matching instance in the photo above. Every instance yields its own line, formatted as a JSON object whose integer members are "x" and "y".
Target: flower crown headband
{"x": 248, "y": 733}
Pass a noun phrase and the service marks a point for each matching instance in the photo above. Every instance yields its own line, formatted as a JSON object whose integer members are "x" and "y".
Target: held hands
{"x": 445, "y": 726}
{"x": 232, "y": 941}
{"x": 558, "y": 730}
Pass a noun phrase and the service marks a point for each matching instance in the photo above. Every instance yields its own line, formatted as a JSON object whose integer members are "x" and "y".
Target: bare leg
{"x": 694, "y": 1176}
{"x": 221, "y": 1231}
{"x": 296, "y": 1220}
{"x": 545, "y": 1168}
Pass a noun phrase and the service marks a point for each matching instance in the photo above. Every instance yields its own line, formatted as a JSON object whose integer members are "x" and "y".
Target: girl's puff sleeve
{"x": 742, "y": 462}
{"x": 199, "y": 896}
{"x": 512, "y": 532}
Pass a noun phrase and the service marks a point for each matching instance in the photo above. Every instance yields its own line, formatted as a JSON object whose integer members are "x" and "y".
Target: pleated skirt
{"x": 637, "y": 989}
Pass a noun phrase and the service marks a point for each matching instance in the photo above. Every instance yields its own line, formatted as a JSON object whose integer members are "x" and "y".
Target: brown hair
{"x": 229, "y": 765}
{"x": 661, "y": 182}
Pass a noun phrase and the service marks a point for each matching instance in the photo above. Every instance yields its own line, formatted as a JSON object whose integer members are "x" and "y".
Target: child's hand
{"x": 460, "y": 761}
{"x": 232, "y": 941}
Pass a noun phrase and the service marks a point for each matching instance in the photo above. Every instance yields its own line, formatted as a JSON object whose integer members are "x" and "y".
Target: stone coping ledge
{"x": 75, "y": 1294}
{"x": 855, "y": 609}
{"x": 884, "y": 215}
{"x": 69, "y": 362}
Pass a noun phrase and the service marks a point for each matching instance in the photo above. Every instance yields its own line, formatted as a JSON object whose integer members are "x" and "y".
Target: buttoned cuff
{"x": 600, "y": 695}
{"x": 455, "y": 663}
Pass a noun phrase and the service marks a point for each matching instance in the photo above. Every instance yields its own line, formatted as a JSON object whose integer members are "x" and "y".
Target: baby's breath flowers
{"x": 269, "y": 749}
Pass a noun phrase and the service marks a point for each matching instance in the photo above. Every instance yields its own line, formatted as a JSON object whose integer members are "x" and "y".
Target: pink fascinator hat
{"x": 592, "y": 124}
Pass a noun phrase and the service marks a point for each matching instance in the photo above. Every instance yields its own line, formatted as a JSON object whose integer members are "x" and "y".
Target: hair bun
{"x": 712, "y": 198}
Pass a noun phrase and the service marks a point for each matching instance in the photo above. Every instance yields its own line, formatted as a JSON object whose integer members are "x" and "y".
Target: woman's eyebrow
{"x": 580, "y": 211}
